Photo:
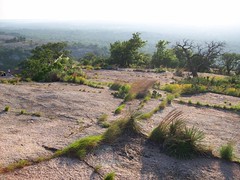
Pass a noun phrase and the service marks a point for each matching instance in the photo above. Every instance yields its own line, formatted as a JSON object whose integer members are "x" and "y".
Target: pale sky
{"x": 203, "y": 13}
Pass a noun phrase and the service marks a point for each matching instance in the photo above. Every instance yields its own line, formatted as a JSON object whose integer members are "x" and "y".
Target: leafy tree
{"x": 199, "y": 57}
{"x": 126, "y": 53}
{"x": 46, "y": 59}
{"x": 163, "y": 56}
{"x": 230, "y": 61}
{"x": 92, "y": 59}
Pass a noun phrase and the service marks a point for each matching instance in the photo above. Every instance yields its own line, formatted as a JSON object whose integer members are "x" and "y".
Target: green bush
{"x": 226, "y": 152}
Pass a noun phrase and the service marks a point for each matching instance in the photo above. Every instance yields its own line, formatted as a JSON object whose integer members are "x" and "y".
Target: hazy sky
{"x": 203, "y": 13}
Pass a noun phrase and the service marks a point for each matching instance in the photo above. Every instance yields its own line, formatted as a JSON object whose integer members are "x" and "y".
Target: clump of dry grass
{"x": 141, "y": 88}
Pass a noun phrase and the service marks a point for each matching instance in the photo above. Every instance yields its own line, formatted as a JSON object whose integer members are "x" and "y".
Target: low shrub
{"x": 226, "y": 152}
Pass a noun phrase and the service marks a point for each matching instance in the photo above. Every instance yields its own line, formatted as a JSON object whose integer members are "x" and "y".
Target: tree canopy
{"x": 199, "y": 57}
{"x": 230, "y": 61}
{"x": 46, "y": 59}
{"x": 163, "y": 56}
{"x": 126, "y": 53}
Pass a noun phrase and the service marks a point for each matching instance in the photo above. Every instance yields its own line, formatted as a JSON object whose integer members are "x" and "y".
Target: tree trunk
{"x": 194, "y": 73}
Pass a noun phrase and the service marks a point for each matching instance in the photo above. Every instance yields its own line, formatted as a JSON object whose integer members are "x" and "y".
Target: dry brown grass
{"x": 141, "y": 87}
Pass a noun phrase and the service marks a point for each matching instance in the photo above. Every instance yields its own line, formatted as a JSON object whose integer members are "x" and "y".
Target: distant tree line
{"x": 16, "y": 39}
{"x": 55, "y": 57}
{"x": 185, "y": 54}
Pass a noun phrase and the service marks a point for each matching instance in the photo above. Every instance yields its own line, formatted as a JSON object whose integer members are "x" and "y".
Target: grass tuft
{"x": 7, "y": 108}
{"x": 177, "y": 139}
{"x": 226, "y": 152}
{"x": 110, "y": 176}
{"x": 81, "y": 147}
{"x": 119, "y": 109}
{"x": 125, "y": 125}
{"x": 102, "y": 121}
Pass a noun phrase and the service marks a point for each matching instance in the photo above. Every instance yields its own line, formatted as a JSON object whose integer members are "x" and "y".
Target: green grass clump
{"x": 7, "y": 108}
{"x": 226, "y": 152}
{"x": 122, "y": 90}
{"x": 110, "y": 176}
{"x": 119, "y": 109}
{"x": 160, "y": 133}
{"x": 162, "y": 105}
{"x": 103, "y": 118}
{"x": 155, "y": 94}
{"x": 170, "y": 97}
{"x": 102, "y": 121}
{"x": 97, "y": 168}
{"x": 115, "y": 86}
{"x": 17, "y": 165}
{"x": 125, "y": 125}
{"x": 176, "y": 138}
{"x": 81, "y": 147}
{"x": 23, "y": 111}
{"x": 146, "y": 115}
{"x": 37, "y": 114}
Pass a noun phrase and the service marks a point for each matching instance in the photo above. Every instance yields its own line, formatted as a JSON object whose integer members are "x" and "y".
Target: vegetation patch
{"x": 235, "y": 108}
{"x": 81, "y": 147}
{"x": 226, "y": 152}
{"x": 7, "y": 108}
{"x": 228, "y": 86}
{"x": 119, "y": 109}
{"x": 102, "y": 121}
{"x": 121, "y": 90}
{"x": 176, "y": 138}
{"x": 110, "y": 176}
{"x": 125, "y": 125}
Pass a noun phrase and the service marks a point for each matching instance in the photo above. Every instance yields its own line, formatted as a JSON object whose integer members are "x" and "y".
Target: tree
{"x": 230, "y": 61}
{"x": 44, "y": 60}
{"x": 199, "y": 57}
{"x": 126, "y": 53}
{"x": 163, "y": 56}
